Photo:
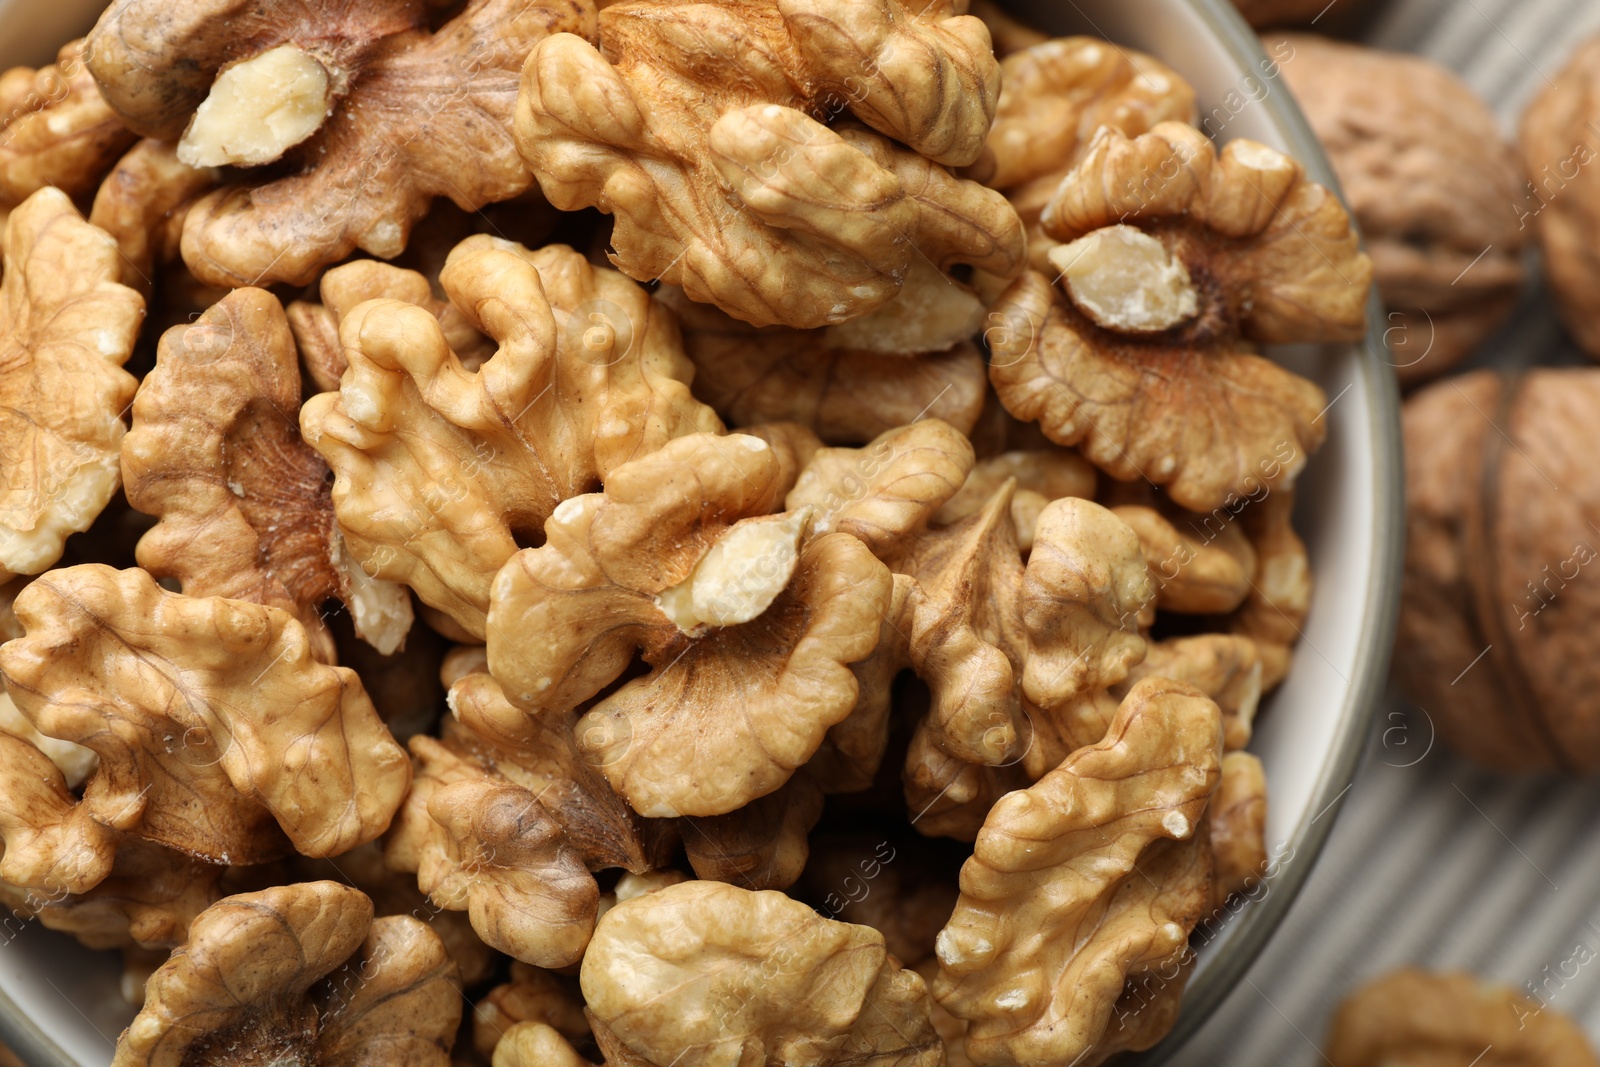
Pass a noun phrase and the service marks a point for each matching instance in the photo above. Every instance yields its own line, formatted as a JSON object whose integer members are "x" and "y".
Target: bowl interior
{"x": 65, "y": 1009}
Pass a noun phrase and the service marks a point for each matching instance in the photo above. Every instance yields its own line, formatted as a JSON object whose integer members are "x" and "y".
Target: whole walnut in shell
{"x": 1424, "y": 1019}
{"x": 701, "y": 128}
{"x": 1432, "y": 183}
{"x": 1560, "y": 141}
{"x": 369, "y": 111}
{"x": 1499, "y": 609}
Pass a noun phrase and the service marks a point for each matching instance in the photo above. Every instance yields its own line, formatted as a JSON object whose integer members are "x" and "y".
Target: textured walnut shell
{"x": 56, "y": 129}
{"x": 1498, "y": 548}
{"x": 1435, "y": 1020}
{"x": 1432, "y": 183}
{"x": 1560, "y": 150}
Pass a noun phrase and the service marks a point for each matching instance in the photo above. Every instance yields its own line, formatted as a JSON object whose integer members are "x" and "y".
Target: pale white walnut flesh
{"x": 740, "y": 576}
{"x": 258, "y": 109}
{"x": 1125, "y": 280}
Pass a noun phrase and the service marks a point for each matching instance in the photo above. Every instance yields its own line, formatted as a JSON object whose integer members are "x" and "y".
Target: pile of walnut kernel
{"x": 810, "y": 610}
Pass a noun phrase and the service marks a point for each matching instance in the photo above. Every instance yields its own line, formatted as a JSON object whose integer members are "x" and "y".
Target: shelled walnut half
{"x": 218, "y": 733}
{"x": 66, "y": 328}
{"x": 438, "y": 469}
{"x": 748, "y": 622}
{"x": 56, "y": 129}
{"x": 697, "y": 126}
{"x": 704, "y": 972}
{"x": 374, "y": 112}
{"x": 1085, "y": 881}
{"x": 299, "y": 974}
{"x": 1176, "y": 259}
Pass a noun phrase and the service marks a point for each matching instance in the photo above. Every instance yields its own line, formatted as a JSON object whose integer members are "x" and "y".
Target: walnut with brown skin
{"x": 1017, "y": 656}
{"x": 763, "y": 845}
{"x": 148, "y": 899}
{"x": 846, "y": 395}
{"x": 485, "y": 846}
{"x": 303, "y": 974}
{"x": 531, "y": 996}
{"x": 889, "y": 886}
{"x": 1432, "y": 183}
{"x": 703, "y": 972}
{"x": 142, "y": 203}
{"x": 1087, "y": 880}
{"x": 1238, "y": 819}
{"x": 1041, "y": 476}
{"x": 1055, "y": 95}
{"x": 749, "y": 620}
{"x": 697, "y": 126}
{"x": 1008, "y": 34}
{"x": 372, "y": 114}
{"x": 245, "y": 506}
{"x": 56, "y": 129}
{"x": 438, "y": 470}
{"x": 66, "y": 329}
{"x": 1179, "y": 257}
{"x": 1280, "y": 593}
{"x": 346, "y": 287}
{"x": 218, "y": 733}
{"x": 1499, "y": 550}
{"x": 1560, "y": 146}
{"x": 1434, "y": 1020}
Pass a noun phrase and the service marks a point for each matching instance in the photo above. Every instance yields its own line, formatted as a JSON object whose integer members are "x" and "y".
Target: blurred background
{"x": 1433, "y": 861}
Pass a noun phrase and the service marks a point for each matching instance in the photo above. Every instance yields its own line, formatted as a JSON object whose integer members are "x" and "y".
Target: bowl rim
{"x": 1249, "y": 931}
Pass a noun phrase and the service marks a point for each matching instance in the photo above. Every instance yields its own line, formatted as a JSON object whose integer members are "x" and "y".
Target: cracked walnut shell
{"x": 245, "y": 506}
{"x": 1178, "y": 258}
{"x": 303, "y": 974}
{"x": 1434, "y": 1020}
{"x": 1560, "y": 143}
{"x": 66, "y": 328}
{"x": 704, "y": 972}
{"x": 700, "y": 127}
{"x": 1431, "y": 181}
{"x": 749, "y": 622}
{"x": 1497, "y": 611}
{"x": 56, "y": 129}
{"x": 218, "y": 733}
{"x": 439, "y": 470}
{"x": 1083, "y": 882}
{"x": 372, "y": 114}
